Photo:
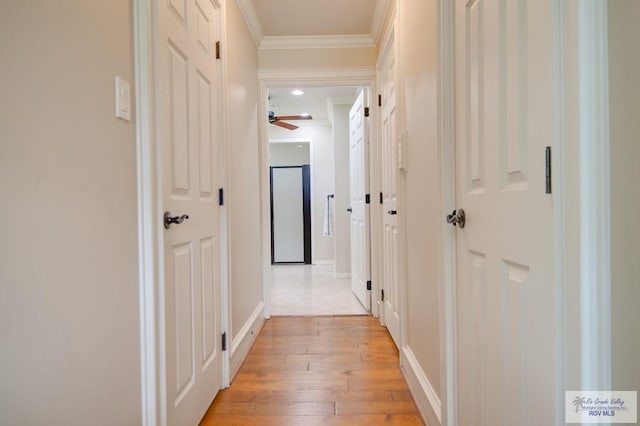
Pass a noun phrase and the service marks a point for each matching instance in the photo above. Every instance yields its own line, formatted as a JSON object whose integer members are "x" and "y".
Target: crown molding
{"x": 251, "y": 19}
{"x": 318, "y": 42}
{"x": 379, "y": 15}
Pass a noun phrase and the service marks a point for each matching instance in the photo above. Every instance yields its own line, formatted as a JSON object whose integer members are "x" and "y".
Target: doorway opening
{"x": 316, "y": 280}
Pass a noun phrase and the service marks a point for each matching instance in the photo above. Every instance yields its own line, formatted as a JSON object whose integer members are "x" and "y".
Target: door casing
{"x": 309, "y": 77}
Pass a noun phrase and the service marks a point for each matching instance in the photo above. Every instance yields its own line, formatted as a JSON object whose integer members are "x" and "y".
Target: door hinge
{"x": 224, "y": 341}
{"x": 368, "y": 285}
{"x": 382, "y": 294}
{"x": 379, "y": 100}
{"x": 218, "y": 50}
{"x": 547, "y": 171}
{"x": 381, "y": 198}
{"x": 366, "y": 111}
{"x": 367, "y": 199}
{"x": 221, "y": 197}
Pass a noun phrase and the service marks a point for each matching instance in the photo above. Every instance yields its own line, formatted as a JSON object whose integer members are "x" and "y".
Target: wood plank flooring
{"x": 340, "y": 370}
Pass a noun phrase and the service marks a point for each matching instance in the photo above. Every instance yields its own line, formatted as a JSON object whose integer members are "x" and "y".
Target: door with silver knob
{"x": 507, "y": 302}
{"x": 188, "y": 133}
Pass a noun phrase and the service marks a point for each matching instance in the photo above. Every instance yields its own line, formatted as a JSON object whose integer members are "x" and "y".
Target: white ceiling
{"x": 274, "y": 23}
{"x": 329, "y": 22}
{"x": 314, "y": 101}
{"x": 314, "y": 17}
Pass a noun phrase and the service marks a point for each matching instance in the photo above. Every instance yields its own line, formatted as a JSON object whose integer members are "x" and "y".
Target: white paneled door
{"x": 390, "y": 171}
{"x": 187, "y": 90}
{"x": 359, "y": 181}
{"x": 506, "y": 300}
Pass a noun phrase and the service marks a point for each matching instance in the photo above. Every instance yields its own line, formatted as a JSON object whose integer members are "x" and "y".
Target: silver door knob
{"x": 457, "y": 218}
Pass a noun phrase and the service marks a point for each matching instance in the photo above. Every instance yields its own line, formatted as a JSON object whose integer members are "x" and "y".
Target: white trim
{"x": 447, "y": 241}
{"x": 558, "y": 159}
{"x": 146, "y": 172}
{"x": 350, "y": 41}
{"x": 595, "y": 233}
{"x": 225, "y": 218}
{"x": 251, "y": 19}
{"x": 241, "y": 344}
{"x": 379, "y": 14}
{"x": 422, "y": 390}
{"x": 265, "y": 195}
{"x": 324, "y": 262}
{"x": 344, "y": 76}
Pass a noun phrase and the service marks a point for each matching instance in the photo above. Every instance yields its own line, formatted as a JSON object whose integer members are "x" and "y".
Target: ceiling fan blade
{"x": 294, "y": 117}
{"x": 285, "y": 125}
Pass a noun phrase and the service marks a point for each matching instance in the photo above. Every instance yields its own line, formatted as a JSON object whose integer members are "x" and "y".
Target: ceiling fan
{"x": 277, "y": 120}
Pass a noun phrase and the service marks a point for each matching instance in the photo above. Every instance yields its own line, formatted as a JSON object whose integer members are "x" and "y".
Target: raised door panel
{"x": 183, "y": 316}
{"x": 179, "y": 120}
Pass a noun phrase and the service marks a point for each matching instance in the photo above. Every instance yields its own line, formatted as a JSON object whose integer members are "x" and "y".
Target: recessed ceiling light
{"x": 297, "y": 92}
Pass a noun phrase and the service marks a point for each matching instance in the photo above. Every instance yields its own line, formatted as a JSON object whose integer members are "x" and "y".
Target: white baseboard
{"x": 421, "y": 389}
{"x": 343, "y": 275}
{"x": 241, "y": 344}
{"x": 323, "y": 262}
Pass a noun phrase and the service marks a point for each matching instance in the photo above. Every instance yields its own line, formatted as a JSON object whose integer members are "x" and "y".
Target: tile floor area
{"x": 311, "y": 290}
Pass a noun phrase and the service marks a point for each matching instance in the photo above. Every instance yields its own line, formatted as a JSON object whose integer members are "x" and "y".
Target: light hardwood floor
{"x": 334, "y": 370}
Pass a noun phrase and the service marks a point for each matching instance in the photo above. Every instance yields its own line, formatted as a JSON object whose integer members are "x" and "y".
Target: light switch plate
{"x": 123, "y": 99}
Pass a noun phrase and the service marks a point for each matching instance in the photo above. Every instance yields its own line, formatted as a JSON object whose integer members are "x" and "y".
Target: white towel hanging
{"x": 327, "y": 230}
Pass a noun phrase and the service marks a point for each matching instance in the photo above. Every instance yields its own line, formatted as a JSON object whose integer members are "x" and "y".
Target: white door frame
{"x": 268, "y": 78}
{"x": 592, "y": 143}
{"x": 580, "y": 172}
{"x": 447, "y": 271}
{"x": 150, "y": 229}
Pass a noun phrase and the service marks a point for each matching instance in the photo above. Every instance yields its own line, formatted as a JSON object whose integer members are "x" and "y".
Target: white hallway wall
{"x": 69, "y": 327}
{"x": 342, "y": 191}
{"x": 244, "y": 185}
{"x": 418, "y": 23}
